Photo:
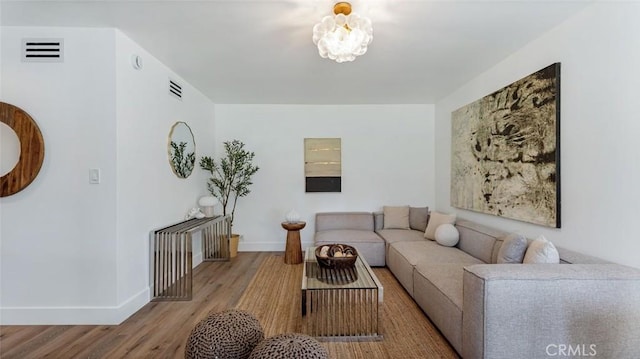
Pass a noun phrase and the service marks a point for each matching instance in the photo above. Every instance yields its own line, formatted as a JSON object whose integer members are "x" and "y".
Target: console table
{"x": 171, "y": 255}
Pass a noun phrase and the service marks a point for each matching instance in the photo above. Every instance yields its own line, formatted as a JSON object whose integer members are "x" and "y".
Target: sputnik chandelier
{"x": 344, "y": 36}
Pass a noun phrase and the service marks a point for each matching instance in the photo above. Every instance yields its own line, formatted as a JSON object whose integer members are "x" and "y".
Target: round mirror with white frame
{"x": 182, "y": 150}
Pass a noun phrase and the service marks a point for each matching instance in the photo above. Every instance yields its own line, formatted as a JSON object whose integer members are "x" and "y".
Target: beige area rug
{"x": 274, "y": 297}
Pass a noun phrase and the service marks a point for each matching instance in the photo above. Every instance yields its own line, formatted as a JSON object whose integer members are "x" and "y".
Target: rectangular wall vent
{"x": 42, "y": 50}
{"x": 175, "y": 89}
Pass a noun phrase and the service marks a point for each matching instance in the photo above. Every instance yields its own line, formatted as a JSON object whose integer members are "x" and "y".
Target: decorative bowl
{"x": 336, "y": 256}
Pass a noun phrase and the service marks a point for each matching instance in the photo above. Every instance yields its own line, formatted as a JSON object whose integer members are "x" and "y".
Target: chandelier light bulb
{"x": 343, "y": 36}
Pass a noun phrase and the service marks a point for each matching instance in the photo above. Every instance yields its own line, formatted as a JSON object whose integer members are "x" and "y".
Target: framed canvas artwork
{"x": 323, "y": 164}
{"x": 505, "y": 156}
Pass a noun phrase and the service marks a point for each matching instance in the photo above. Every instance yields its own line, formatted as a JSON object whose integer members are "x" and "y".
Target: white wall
{"x": 387, "y": 159}
{"x": 0, "y": 73}
{"x": 58, "y": 235}
{"x": 72, "y": 252}
{"x": 149, "y": 195}
{"x": 600, "y": 162}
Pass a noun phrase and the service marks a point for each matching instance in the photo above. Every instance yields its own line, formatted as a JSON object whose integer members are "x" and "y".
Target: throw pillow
{"x": 435, "y": 220}
{"x": 541, "y": 251}
{"x": 396, "y": 217}
{"x": 513, "y": 249}
{"x": 418, "y": 217}
{"x": 447, "y": 235}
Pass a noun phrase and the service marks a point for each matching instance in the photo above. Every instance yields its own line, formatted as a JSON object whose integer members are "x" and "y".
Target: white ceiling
{"x": 260, "y": 51}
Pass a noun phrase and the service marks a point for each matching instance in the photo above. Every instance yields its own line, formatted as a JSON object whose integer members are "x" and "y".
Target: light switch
{"x": 94, "y": 176}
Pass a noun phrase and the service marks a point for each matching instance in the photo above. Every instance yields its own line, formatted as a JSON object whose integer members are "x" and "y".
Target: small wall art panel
{"x": 505, "y": 156}
{"x": 323, "y": 164}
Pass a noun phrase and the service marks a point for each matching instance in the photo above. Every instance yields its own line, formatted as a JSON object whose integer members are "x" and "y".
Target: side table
{"x": 293, "y": 250}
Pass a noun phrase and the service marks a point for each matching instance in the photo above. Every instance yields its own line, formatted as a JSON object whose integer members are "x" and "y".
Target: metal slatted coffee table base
{"x": 344, "y": 305}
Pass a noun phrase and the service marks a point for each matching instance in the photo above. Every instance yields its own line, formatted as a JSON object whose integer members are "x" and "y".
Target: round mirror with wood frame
{"x": 31, "y": 149}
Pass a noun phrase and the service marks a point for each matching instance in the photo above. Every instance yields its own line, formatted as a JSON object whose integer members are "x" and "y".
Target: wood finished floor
{"x": 158, "y": 330}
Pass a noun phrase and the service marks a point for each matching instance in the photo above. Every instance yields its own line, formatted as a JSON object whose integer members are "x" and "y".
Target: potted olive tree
{"x": 230, "y": 179}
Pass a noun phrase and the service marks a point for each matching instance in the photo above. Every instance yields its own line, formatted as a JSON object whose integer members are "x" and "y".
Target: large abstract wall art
{"x": 505, "y": 156}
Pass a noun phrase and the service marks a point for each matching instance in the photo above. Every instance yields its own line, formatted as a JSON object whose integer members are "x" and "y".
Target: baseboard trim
{"x": 197, "y": 259}
{"x": 74, "y": 315}
{"x": 266, "y": 246}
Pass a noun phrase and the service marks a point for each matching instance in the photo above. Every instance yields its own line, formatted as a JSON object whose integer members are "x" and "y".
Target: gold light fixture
{"x": 343, "y": 36}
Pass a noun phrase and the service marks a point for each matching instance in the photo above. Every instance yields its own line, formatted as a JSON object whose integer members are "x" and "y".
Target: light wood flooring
{"x": 158, "y": 330}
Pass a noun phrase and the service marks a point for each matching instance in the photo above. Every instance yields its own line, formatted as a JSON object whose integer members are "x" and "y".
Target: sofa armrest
{"x": 543, "y": 310}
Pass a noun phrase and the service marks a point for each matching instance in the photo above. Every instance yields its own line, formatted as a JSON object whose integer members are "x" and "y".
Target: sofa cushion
{"x": 438, "y": 291}
{"x": 418, "y": 218}
{"x": 431, "y": 252}
{"x": 344, "y": 220}
{"x": 512, "y": 249}
{"x": 396, "y": 217}
{"x": 401, "y": 235}
{"x": 401, "y": 268}
{"x": 435, "y": 220}
{"x": 447, "y": 277}
{"x": 478, "y": 240}
{"x": 541, "y": 251}
{"x": 348, "y": 235}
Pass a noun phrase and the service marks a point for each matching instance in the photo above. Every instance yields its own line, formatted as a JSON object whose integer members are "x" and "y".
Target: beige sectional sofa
{"x": 584, "y": 305}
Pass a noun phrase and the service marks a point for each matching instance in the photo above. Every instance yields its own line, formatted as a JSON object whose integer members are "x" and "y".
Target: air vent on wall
{"x": 42, "y": 50}
{"x": 175, "y": 89}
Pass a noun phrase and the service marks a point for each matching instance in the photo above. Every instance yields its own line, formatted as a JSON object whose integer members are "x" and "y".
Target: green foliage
{"x": 231, "y": 177}
{"x": 182, "y": 165}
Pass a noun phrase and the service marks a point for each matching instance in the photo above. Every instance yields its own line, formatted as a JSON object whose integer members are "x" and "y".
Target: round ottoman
{"x": 290, "y": 345}
{"x": 230, "y": 334}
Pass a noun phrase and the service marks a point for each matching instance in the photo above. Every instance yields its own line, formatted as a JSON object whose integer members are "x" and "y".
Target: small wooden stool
{"x": 293, "y": 251}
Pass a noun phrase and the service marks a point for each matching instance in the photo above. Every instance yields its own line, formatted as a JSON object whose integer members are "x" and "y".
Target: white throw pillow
{"x": 541, "y": 251}
{"x": 447, "y": 235}
{"x": 435, "y": 220}
{"x": 396, "y": 217}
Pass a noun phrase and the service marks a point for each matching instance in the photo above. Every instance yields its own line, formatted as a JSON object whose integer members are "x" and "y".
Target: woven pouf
{"x": 230, "y": 334}
{"x": 290, "y": 345}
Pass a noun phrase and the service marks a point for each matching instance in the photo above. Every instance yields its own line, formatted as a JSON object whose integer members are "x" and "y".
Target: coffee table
{"x": 341, "y": 304}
